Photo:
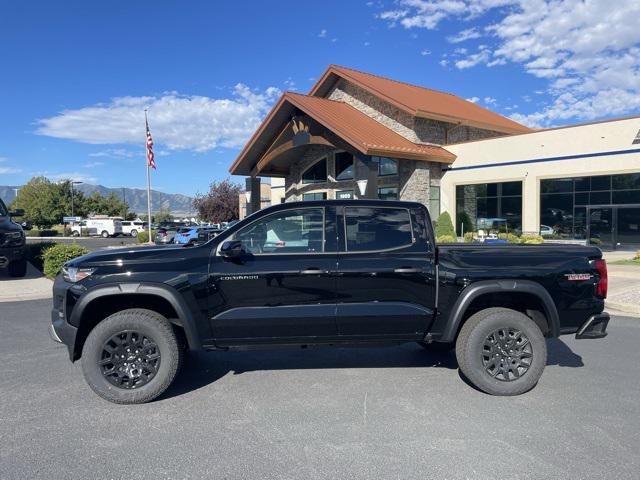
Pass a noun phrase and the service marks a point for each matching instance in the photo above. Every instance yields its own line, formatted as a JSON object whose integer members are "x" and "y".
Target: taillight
{"x": 603, "y": 283}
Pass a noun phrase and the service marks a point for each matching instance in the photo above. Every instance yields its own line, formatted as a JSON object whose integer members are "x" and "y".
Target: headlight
{"x": 15, "y": 238}
{"x": 75, "y": 274}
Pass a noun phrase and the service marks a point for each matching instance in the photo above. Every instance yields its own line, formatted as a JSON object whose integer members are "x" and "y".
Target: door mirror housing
{"x": 232, "y": 249}
{"x": 19, "y": 212}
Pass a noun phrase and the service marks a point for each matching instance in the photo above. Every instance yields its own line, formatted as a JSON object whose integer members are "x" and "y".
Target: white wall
{"x": 609, "y": 136}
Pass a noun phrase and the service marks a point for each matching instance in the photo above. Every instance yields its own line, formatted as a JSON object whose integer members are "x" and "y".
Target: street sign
{"x": 71, "y": 219}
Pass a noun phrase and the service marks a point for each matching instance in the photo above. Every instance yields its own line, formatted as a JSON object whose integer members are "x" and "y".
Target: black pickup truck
{"x": 329, "y": 273}
{"x": 12, "y": 243}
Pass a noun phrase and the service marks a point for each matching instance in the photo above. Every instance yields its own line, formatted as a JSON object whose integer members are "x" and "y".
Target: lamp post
{"x": 72, "y": 182}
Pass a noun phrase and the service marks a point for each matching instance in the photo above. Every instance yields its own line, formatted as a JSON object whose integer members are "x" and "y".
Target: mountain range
{"x": 176, "y": 203}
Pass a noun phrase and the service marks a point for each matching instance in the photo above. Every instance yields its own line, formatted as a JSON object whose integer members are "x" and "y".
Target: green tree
{"x": 110, "y": 205}
{"x": 464, "y": 220}
{"x": 220, "y": 204}
{"x": 162, "y": 216}
{"x": 444, "y": 227}
{"x": 45, "y": 202}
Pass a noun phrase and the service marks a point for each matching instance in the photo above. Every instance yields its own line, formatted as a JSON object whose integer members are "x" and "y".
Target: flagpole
{"x": 148, "y": 181}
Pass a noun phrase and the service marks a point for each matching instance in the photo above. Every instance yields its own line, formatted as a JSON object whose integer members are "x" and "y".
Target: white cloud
{"x": 490, "y": 100}
{"x": 93, "y": 164}
{"x": 195, "y": 123}
{"x": 464, "y": 35}
{"x": 425, "y": 52}
{"x": 116, "y": 153}
{"x": 443, "y": 62}
{"x": 8, "y": 170}
{"x": 587, "y": 51}
{"x": 323, "y": 33}
{"x": 290, "y": 84}
{"x": 366, "y": 44}
{"x": 473, "y": 99}
{"x": 75, "y": 176}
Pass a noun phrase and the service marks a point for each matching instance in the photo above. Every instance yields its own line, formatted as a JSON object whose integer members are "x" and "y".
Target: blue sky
{"x": 76, "y": 75}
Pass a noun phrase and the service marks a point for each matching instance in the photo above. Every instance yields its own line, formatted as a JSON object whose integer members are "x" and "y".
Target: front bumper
{"x": 60, "y": 330}
{"x": 594, "y": 327}
{"x": 10, "y": 254}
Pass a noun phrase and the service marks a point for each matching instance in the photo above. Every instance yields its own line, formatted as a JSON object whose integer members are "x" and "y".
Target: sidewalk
{"x": 33, "y": 286}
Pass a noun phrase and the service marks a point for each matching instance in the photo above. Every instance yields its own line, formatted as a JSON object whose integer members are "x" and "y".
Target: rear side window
{"x": 371, "y": 228}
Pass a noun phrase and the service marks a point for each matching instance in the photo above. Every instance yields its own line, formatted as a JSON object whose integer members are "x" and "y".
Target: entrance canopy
{"x": 298, "y": 123}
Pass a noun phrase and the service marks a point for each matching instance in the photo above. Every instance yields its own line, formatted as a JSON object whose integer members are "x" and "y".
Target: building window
{"x": 344, "y": 166}
{"x": 386, "y": 166}
{"x": 314, "y": 196}
{"x": 492, "y": 207}
{"x": 377, "y": 228}
{"x": 317, "y": 173}
{"x": 344, "y": 195}
{"x": 434, "y": 201}
{"x": 388, "y": 193}
{"x": 563, "y": 201}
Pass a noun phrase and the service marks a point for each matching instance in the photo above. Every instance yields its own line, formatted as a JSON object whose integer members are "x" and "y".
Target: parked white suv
{"x": 132, "y": 228}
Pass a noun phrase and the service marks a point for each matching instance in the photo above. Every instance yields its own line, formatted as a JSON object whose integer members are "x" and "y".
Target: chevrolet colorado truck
{"x": 12, "y": 243}
{"x": 334, "y": 273}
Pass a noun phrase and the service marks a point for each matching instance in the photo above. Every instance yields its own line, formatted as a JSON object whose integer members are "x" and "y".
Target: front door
{"x": 601, "y": 226}
{"x": 281, "y": 289}
{"x": 386, "y": 273}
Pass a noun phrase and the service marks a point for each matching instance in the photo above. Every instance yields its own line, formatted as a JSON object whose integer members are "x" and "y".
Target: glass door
{"x": 601, "y": 226}
{"x": 628, "y": 227}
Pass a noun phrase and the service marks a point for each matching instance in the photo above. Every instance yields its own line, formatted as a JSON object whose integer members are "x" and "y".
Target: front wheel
{"x": 501, "y": 351}
{"x": 131, "y": 356}
{"x": 134, "y": 233}
{"x": 105, "y": 234}
{"x": 75, "y": 233}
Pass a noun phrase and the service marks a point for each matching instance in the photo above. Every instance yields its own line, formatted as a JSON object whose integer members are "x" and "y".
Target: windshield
{"x": 3, "y": 209}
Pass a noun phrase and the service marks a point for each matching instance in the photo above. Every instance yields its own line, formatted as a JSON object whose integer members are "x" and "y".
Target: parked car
{"x": 167, "y": 235}
{"x": 104, "y": 227}
{"x": 341, "y": 272}
{"x": 12, "y": 242}
{"x": 196, "y": 235}
{"x": 132, "y": 228}
{"x": 546, "y": 230}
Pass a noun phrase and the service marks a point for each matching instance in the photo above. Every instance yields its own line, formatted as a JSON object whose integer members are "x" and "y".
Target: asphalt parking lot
{"x": 323, "y": 413}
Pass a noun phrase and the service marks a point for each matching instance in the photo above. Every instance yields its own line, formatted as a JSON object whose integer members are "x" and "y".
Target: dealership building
{"x": 358, "y": 135}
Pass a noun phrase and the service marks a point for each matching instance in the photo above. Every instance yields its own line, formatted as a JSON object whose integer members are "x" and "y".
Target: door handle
{"x": 312, "y": 271}
{"x": 406, "y": 270}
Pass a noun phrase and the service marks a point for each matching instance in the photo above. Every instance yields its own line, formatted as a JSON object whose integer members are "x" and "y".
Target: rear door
{"x": 386, "y": 272}
{"x": 283, "y": 288}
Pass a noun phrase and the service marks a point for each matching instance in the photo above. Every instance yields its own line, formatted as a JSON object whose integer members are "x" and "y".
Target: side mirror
{"x": 232, "y": 249}
{"x": 17, "y": 213}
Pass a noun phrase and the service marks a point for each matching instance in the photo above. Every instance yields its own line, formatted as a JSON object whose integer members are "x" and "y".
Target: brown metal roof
{"x": 419, "y": 101}
{"x": 359, "y": 130}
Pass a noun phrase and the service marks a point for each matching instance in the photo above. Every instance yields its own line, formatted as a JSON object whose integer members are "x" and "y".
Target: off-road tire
{"x": 438, "y": 347}
{"x": 17, "y": 268}
{"x": 104, "y": 234}
{"x": 148, "y": 323}
{"x": 470, "y": 347}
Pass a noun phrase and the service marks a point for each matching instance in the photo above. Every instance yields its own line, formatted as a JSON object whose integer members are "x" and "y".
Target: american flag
{"x": 150, "y": 157}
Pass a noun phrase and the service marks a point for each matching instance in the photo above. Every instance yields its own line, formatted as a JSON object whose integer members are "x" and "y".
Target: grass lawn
{"x": 635, "y": 261}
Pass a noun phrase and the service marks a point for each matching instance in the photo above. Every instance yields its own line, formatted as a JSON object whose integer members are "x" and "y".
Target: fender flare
{"x": 185, "y": 316}
{"x": 475, "y": 290}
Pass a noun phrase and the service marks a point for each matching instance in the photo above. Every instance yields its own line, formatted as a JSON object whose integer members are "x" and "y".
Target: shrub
{"x": 33, "y": 252}
{"x": 56, "y": 256}
{"x": 143, "y": 237}
{"x": 510, "y": 237}
{"x": 444, "y": 227}
{"x": 41, "y": 233}
{"x": 446, "y": 239}
{"x": 468, "y": 237}
{"x": 531, "y": 239}
{"x": 637, "y": 257}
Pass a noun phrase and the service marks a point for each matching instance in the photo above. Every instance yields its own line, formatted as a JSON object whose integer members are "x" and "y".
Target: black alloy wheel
{"x": 507, "y": 354}
{"x": 129, "y": 359}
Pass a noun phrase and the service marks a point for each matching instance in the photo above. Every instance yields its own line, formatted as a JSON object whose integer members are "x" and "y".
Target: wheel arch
{"x": 475, "y": 293}
{"x": 99, "y": 303}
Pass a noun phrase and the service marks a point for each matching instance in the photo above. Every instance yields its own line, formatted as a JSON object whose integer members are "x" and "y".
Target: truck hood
{"x": 7, "y": 225}
{"x": 131, "y": 256}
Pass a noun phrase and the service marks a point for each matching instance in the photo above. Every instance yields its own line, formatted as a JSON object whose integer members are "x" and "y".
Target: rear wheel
{"x": 501, "y": 351}
{"x": 134, "y": 233}
{"x": 75, "y": 233}
{"x": 131, "y": 356}
{"x": 18, "y": 268}
{"x": 105, "y": 234}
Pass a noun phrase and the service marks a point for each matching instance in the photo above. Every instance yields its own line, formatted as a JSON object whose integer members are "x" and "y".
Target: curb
{"x": 623, "y": 307}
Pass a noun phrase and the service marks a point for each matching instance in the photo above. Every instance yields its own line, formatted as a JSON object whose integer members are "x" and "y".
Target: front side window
{"x": 368, "y": 228}
{"x": 316, "y": 173}
{"x": 3, "y": 209}
{"x": 344, "y": 166}
{"x": 291, "y": 231}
